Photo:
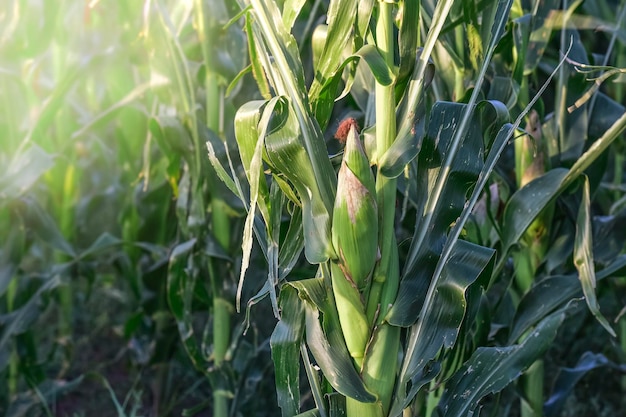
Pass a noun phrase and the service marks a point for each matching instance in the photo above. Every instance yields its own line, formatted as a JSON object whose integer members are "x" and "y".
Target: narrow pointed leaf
{"x": 258, "y": 189}
{"x": 377, "y": 66}
{"x": 291, "y": 10}
{"x": 583, "y": 258}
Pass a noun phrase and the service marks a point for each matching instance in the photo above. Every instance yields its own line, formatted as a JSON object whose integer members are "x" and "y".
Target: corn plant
{"x": 205, "y": 50}
{"x": 381, "y": 329}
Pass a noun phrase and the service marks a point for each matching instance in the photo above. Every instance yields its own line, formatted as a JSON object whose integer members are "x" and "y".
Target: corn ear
{"x": 355, "y": 215}
{"x": 532, "y": 162}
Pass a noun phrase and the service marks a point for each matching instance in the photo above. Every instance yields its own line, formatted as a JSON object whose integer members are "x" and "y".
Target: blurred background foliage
{"x": 105, "y": 179}
{"x": 121, "y": 247}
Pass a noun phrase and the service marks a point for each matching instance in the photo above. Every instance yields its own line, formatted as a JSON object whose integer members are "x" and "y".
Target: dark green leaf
{"x": 43, "y": 225}
{"x": 527, "y": 203}
{"x": 408, "y": 38}
{"x": 181, "y": 279}
{"x": 490, "y": 369}
{"x": 439, "y": 324}
{"x": 18, "y": 321}
{"x": 103, "y": 243}
{"x": 285, "y": 343}
{"x": 432, "y": 228}
{"x": 552, "y": 293}
{"x": 569, "y": 377}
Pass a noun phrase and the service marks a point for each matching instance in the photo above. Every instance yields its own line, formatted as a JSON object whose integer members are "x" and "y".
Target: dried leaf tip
{"x": 344, "y": 128}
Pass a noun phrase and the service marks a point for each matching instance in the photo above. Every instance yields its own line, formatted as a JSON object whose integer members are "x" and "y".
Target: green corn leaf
{"x": 52, "y": 104}
{"x": 566, "y": 132}
{"x": 340, "y": 19}
{"x": 23, "y": 171}
{"x": 293, "y": 243}
{"x": 19, "y": 321}
{"x": 422, "y": 74}
{"x": 583, "y": 257}
{"x": 406, "y": 147}
{"x": 287, "y": 155}
{"x": 291, "y": 10}
{"x": 552, "y": 293}
{"x": 255, "y": 61}
{"x": 326, "y": 340}
{"x": 288, "y": 81}
{"x": 531, "y": 34}
{"x": 456, "y": 167}
{"x": 250, "y": 135}
{"x": 568, "y": 378}
{"x": 257, "y": 189}
{"x": 318, "y": 41}
{"x": 172, "y": 137}
{"x": 375, "y": 63}
{"x": 408, "y": 38}
{"x": 530, "y": 200}
{"x": 103, "y": 243}
{"x": 363, "y": 18}
{"x": 609, "y": 237}
{"x": 605, "y": 112}
{"x": 37, "y": 219}
{"x": 221, "y": 172}
{"x": 181, "y": 279}
{"x": 439, "y": 325}
{"x": 288, "y": 255}
{"x": 130, "y": 99}
{"x": 490, "y": 369}
{"x": 285, "y": 343}
{"x": 422, "y": 260}
{"x": 342, "y": 15}
{"x": 541, "y": 29}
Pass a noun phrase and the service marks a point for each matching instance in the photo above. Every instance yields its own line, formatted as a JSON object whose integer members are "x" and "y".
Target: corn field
{"x": 329, "y": 208}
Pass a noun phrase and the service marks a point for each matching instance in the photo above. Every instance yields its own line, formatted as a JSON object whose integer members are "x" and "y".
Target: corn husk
{"x": 355, "y": 215}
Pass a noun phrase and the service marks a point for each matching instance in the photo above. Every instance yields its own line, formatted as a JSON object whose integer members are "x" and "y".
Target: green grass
{"x": 182, "y": 233}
